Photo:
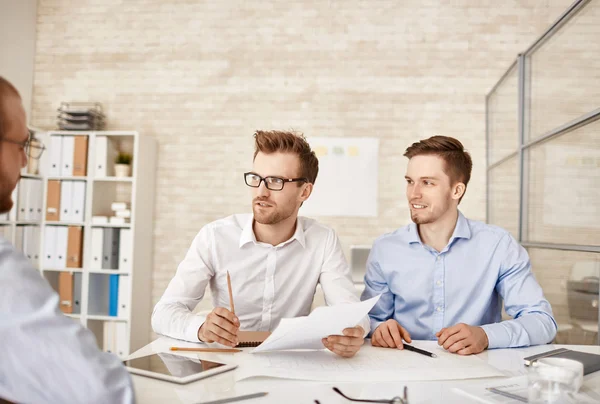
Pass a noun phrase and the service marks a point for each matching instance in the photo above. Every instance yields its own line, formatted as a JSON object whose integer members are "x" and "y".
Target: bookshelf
{"x": 22, "y": 225}
{"x": 89, "y": 291}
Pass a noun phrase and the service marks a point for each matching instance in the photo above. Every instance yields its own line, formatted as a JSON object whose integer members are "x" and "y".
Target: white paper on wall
{"x": 348, "y": 180}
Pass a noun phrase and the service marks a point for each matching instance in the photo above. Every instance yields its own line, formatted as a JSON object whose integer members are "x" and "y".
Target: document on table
{"x": 307, "y": 332}
{"x": 370, "y": 364}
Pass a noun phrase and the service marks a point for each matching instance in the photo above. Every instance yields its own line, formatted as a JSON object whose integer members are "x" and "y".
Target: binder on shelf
{"x": 78, "y": 201}
{"x": 65, "y": 291}
{"x": 23, "y": 203}
{"x": 123, "y": 298}
{"x": 68, "y": 149}
{"x": 53, "y": 201}
{"x": 38, "y": 196}
{"x": 50, "y": 236}
{"x": 62, "y": 237}
{"x": 125, "y": 247}
{"x": 105, "y": 155}
{"x": 98, "y": 294}
{"x": 77, "y": 278}
{"x": 19, "y": 236}
{"x": 27, "y": 240}
{"x": 74, "y": 246}
{"x": 95, "y": 261}
{"x": 55, "y": 156}
{"x": 110, "y": 249}
{"x": 80, "y": 151}
{"x": 121, "y": 340}
{"x": 113, "y": 295}
{"x": 36, "y": 246}
{"x": 66, "y": 199}
{"x": 108, "y": 331}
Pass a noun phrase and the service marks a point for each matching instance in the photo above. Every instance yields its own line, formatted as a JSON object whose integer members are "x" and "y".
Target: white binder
{"x": 23, "y": 202}
{"x": 49, "y": 259}
{"x": 125, "y": 250}
{"x": 109, "y": 337}
{"x": 121, "y": 347}
{"x": 123, "y": 298}
{"x": 62, "y": 239}
{"x": 35, "y": 246}
{"x": 78, "y": 202}
{"x": 66, "y": 200}
{"x": 55, "y": 156}
{"x": 19, "y": 239}
{"x": 27, "y": 234}
{"x": 38, "y": 201}
{"x": 68, "y": 149}
{"x": 101, "y": 156}
{"x": 95, "y": 261}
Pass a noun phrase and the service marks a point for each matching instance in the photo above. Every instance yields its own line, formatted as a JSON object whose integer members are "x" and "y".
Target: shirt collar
{"x": 248, "y": 235}
{"x": 461, "y": 230}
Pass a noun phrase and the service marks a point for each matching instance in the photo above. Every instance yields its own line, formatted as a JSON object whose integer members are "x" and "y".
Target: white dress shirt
{"x": 47, "y": 357}
{"x": 268, "y": 282}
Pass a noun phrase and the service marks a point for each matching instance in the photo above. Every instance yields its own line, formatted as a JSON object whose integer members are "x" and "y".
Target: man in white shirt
{"x": 45, "y": 356}
{"x": 275, "y": 258}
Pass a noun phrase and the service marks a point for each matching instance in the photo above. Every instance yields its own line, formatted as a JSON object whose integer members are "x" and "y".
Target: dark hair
{"x": 457, "y": 161}
{"x": 6, "y": 90}
{"x": 288, "y": 142}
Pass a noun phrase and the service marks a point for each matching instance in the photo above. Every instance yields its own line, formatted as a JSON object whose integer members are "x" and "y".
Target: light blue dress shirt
{"x": 46, "y": 357}
{"x": 466, "y": 282}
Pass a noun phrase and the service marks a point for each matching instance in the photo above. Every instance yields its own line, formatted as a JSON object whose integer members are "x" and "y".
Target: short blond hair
{"x": 288, "y": 142}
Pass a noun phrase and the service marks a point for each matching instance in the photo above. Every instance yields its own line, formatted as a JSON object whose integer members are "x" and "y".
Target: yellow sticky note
{"x": 320, "y": 151}
{"x": 353, "y": 151}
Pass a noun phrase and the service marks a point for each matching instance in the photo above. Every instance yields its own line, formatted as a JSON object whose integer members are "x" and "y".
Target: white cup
{"x": 570, "y": 364}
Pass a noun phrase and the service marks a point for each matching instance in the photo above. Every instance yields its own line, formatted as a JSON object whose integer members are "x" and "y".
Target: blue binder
{"x": 113, "y": 295}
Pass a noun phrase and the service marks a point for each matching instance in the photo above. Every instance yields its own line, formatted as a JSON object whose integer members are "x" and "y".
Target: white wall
{"x": 18, "y": 19}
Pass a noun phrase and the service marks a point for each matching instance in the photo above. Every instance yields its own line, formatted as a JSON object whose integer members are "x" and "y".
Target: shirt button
{"x": 438, "y": 283}
{"x": 438, "y": 258}
{"x": 439, "y": 308}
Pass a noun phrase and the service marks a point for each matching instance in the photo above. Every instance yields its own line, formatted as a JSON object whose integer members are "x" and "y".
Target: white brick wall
{"x": 201, "y": 76}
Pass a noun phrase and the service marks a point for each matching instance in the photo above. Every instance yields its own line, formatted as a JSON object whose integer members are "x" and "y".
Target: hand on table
{"x": 463, "y": 339}
{"x": 390, "y": 335}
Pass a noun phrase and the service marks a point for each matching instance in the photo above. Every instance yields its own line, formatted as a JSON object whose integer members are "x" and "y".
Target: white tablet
{"x": 175, "y": 368}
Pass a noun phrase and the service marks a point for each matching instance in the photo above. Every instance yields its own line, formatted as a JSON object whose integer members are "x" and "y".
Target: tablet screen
{"x": 171, "y": 365}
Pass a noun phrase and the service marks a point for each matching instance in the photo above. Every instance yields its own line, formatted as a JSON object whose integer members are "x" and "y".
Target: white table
{"x": 509, "y": 361}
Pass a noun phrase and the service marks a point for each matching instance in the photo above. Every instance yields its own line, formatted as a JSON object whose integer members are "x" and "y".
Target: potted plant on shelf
{"x": 123, "y": 165}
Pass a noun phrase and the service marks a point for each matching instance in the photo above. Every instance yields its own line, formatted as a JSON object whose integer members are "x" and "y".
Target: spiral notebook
{"x": 252, "y": 338}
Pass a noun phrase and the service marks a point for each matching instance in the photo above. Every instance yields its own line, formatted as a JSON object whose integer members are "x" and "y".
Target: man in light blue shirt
{"x": 45, "y": 357}
{"x": 444, "y": 276}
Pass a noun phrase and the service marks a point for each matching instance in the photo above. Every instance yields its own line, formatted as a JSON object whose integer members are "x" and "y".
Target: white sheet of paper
{"x": 307, "y": 332}
{"x": 370, "y": 364}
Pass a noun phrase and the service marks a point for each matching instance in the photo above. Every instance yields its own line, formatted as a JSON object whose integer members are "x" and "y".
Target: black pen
{"x": 417, "y": 350}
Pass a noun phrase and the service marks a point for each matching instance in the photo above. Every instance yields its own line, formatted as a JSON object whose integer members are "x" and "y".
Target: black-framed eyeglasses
{"x": 273, "y": 183}
{"x": 394, "y": 400}
{"x": 32, "y": 147}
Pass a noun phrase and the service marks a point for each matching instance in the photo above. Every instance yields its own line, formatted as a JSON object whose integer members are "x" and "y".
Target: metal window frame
{"x": 524, "y": 143}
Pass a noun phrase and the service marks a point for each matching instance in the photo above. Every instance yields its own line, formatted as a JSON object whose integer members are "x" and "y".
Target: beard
{"x": 274, "y": 215}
